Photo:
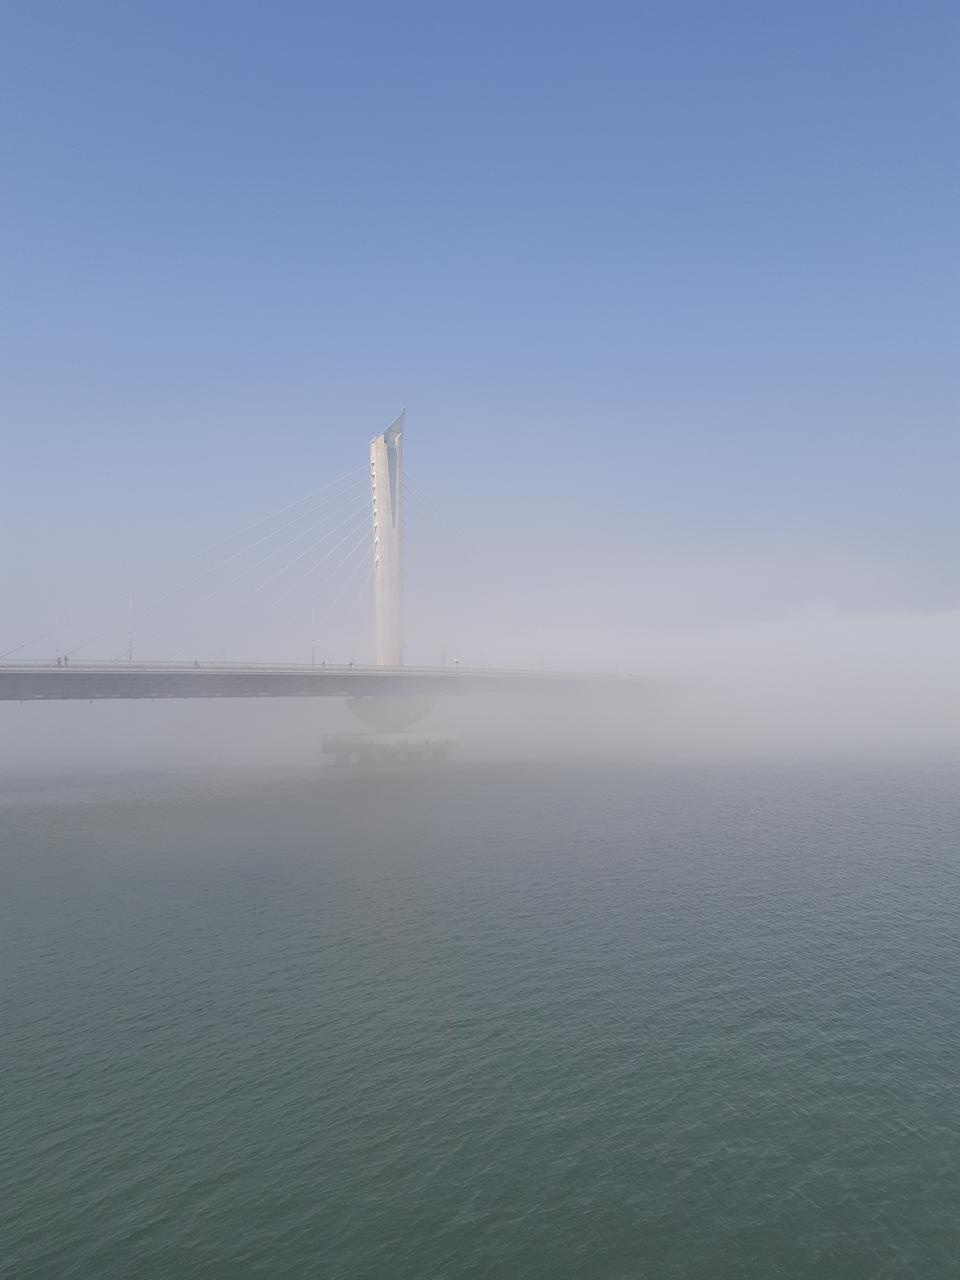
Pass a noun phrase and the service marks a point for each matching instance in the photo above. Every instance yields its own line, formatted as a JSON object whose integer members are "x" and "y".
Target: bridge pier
{"x": 359, "y": 750}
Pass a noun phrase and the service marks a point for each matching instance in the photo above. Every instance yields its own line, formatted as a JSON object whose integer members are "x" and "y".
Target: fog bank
{"x": 815, "y": 686}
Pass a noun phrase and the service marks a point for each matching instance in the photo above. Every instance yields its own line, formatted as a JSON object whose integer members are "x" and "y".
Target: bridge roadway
{"x": 38, "y": 681}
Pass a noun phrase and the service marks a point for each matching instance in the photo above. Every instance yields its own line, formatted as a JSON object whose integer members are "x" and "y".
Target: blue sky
{"x": 660, "y": 285}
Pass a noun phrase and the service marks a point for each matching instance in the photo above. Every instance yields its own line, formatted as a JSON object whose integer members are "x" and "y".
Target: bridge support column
{"x": 386, "y": 482}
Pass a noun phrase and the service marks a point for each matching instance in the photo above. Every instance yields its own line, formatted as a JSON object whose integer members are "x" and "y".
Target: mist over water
{"x": 821, "y": 686}
{"x": 543, "y": 1020}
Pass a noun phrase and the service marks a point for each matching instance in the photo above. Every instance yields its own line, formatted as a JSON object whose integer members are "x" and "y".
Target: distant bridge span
{"x": 95, "y": 681}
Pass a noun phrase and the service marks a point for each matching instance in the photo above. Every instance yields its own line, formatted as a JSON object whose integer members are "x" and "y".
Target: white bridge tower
{"x": 386, "y": 482}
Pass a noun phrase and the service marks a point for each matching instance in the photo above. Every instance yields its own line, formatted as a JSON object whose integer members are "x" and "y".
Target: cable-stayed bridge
{"x": 331, "y": 548}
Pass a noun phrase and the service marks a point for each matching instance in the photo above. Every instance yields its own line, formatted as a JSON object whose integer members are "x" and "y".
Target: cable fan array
{"x": 296, "y": 563}
{"x": 291, "y": 581}
{"x": 298, "y": 567}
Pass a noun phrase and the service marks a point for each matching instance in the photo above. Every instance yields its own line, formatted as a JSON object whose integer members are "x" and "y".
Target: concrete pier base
{"x": 374, "y": 749}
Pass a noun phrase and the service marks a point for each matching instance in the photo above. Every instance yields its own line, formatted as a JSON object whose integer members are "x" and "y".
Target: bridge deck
{"x": 29, "y": 682}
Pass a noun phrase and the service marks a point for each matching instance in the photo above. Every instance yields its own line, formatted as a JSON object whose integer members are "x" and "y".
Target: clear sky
{"x": 669, "y": 291}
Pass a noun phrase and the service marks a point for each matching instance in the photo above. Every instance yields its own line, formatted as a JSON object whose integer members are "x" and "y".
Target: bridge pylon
{"x": 386, "y": 485}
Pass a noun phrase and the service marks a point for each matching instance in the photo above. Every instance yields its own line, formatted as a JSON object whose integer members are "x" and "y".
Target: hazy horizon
{"x": 669, "y": 294}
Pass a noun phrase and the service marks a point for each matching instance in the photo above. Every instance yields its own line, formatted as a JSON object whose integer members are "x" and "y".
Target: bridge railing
{"x": 300, "y": 668}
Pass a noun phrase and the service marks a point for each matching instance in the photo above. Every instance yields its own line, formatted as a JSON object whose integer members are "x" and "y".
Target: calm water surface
{"x": 529, "y": 1022}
